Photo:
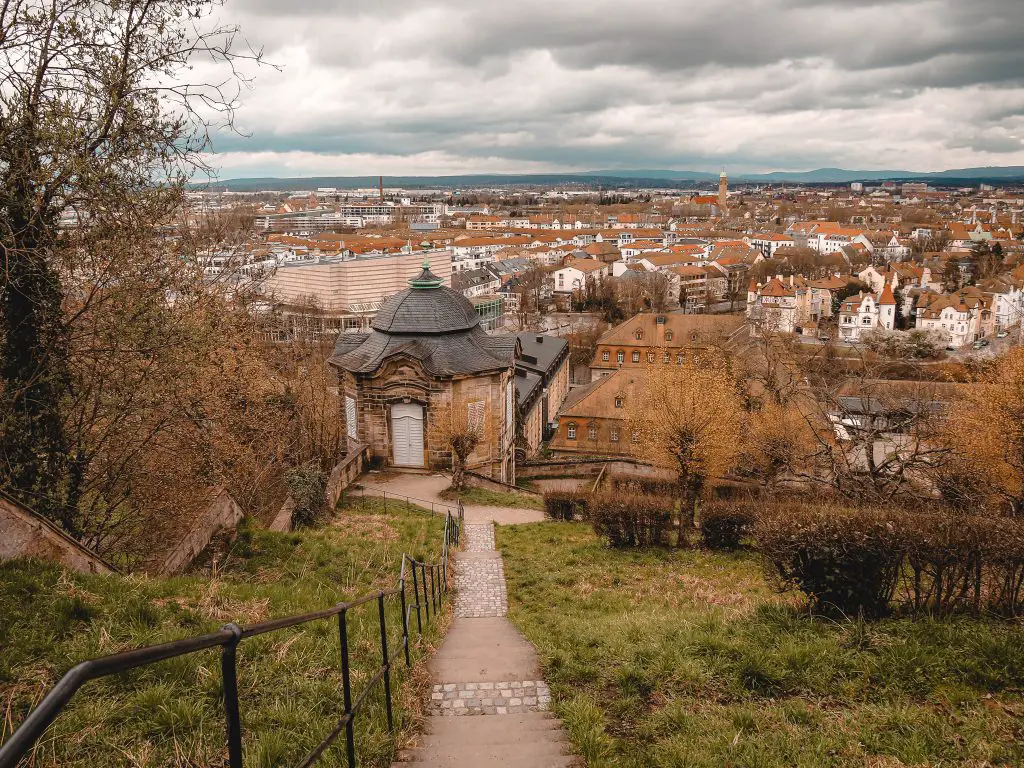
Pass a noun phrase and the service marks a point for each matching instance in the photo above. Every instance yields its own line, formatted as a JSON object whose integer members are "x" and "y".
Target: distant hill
{"x": 619, "y": 178}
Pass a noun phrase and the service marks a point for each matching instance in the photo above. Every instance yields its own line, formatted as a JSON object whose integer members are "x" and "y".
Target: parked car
{"x": 1002, "y": 334}
{"x": 980, "y": 344}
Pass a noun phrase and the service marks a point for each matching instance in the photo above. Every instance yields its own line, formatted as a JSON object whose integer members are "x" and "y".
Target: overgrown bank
{"x": 171, "y": 713}
{"x": 687, "y": 658}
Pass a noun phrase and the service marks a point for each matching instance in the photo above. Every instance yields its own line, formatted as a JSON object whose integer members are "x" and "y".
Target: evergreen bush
{"x": 307, "y": 486}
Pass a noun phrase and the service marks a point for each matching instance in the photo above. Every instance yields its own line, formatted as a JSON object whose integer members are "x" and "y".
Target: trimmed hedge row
{"x": 871, "y": 562}
{"x": 566, "y": 505}
{"x": 632, "y": 520}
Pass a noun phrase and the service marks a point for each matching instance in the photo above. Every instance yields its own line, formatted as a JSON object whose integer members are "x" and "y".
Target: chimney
{"x": 540, "y": 339}
{"x": 382, "y": 189}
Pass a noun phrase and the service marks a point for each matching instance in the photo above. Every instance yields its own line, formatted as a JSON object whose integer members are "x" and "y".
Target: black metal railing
{"x": 372, "y": 492}
{"x": 429, "y": 582}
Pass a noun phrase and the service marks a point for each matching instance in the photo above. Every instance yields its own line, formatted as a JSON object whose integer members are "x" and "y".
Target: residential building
{"x": 769, "y": 244}
{"x": 957, "y": 318}
{"x": 664, "y": 338}
{"x": 575, "y": 275}
{"x": 542, "y": 383}
{"x": 594, "y": 419}
{"x": 867, "y": 312}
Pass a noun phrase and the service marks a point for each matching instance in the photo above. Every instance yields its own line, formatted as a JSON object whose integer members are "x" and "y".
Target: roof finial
{"x": 426, "y": 278}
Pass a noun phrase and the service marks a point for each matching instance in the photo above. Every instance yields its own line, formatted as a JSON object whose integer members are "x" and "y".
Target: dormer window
{"x": 618, "y": 402}
{"x": 660, "y": 320}
{"x": 668, "y": 335}
{"x": 639, "y": 335}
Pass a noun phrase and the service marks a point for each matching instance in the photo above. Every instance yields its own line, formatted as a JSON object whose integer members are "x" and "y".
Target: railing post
{"x": 433, "y": 587}
{"x": 385, "y": 502}
{"x": 426, "y": 597}
{"x": 346, "y": 684}
{"x": 416, "y": 591}
{"x": 229, "y": 678}
{"x": 405, "y": 622}
{"x": 386, "y": 661}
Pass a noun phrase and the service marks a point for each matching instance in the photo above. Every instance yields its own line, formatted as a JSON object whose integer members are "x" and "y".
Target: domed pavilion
{"x": 425, "y": 351}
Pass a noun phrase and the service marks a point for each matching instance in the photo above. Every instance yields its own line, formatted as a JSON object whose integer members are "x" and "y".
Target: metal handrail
{"x": 22, "y": 741}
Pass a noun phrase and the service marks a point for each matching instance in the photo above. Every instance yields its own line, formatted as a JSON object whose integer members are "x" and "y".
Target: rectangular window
{"x": 650, "y": 357}
{"x": 635, "y": 437}
{"x": 605, "y": 356}
{"x": 572, "y": 432}
{"x": 621, "y": 357}
{"x": 592, "y": 433}
{"x": 615, "y": 434}
{"x": 636, "y": 357}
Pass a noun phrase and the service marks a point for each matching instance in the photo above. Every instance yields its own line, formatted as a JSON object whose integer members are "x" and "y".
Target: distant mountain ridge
{"x": 657, "y": 177}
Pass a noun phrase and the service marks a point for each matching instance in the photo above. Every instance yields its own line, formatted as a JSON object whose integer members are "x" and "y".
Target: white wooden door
{"x": 407, "y": 434}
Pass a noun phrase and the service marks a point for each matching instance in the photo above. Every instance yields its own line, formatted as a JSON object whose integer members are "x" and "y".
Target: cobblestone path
{"x": 488, "y": 703}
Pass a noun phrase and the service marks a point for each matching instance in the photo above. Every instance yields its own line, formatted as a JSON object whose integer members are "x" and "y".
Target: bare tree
{"x": 99, "y": 129}
{"x": 460, "y": 427}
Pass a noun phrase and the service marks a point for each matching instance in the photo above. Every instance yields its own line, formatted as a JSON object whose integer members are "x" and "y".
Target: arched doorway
{"x": 407, "y": 435}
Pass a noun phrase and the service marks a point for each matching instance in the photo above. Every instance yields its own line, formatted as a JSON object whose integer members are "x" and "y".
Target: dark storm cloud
{"x": 586, "y": 83}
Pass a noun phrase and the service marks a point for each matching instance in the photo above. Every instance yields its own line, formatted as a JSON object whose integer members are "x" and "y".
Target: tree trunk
{"x": 458, "y": 473}
{"x": 33, "y": 357}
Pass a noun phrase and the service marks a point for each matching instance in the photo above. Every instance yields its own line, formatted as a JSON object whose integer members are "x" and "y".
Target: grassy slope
{"x": 688, "y": 659}
{"x": 289, "y": 681}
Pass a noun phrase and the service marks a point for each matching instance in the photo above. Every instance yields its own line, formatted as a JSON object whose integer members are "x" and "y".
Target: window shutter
{"x": 475, "y": 416}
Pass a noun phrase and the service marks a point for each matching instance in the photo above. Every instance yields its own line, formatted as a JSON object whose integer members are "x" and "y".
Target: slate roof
{"x": 528, "y": 386}
{"x": 419, "y": 311}
{"x": 540, "y": 353}
{"x": 432, "y": 324}
{"x": 450, "y": 354}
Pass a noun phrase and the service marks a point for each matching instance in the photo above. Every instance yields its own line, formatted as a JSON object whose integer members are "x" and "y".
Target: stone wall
{"x": 23, "y": 533}
{"x": 476, "y": 480}
{"x": 342, "y": 476}
{"x": 221, "y": 514}
{"x": 590, "y": 468}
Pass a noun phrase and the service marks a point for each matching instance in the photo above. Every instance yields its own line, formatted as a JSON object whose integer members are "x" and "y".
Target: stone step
{"x": 486, "y": 729}
{"x": 473, "y": 556}
{"x": 488, "y": 650}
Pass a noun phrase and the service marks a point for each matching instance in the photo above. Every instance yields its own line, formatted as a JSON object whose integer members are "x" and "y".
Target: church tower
{"x": 723, "y": 192}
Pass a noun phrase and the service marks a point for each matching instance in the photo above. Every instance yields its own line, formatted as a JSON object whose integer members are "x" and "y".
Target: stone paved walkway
{"x": 428, "y": 486}
{"x": 488, "y": 703}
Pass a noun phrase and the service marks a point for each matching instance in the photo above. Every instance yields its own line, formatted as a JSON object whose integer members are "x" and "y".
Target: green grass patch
{"x": 488, "y": 498}
{"x": 687, "y": 658}
{"x": 171, "y": 713}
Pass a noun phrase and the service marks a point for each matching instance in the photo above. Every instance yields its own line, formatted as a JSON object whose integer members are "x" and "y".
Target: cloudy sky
{"x": 424, "y": 87}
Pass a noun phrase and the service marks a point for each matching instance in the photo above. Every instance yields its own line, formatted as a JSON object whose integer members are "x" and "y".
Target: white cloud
{"x": 452, "y": 86}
